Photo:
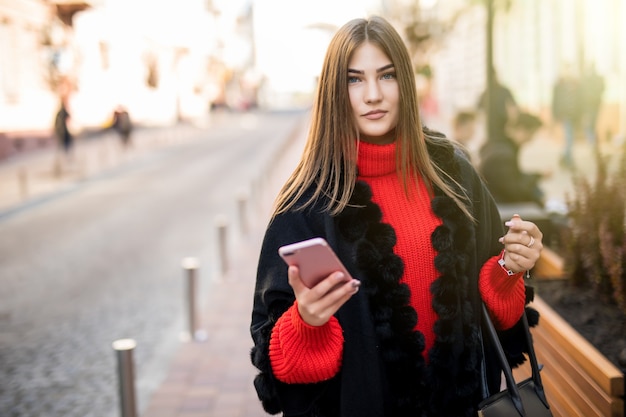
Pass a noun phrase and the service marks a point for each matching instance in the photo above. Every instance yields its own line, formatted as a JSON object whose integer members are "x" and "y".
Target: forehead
{"x": 368, "y": 55}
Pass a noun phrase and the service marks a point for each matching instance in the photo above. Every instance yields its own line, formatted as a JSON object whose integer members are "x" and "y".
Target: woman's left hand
{"x": 522, "y": 244}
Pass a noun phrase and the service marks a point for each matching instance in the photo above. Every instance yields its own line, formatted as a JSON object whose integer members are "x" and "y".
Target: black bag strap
{"x": 506, "y": 368}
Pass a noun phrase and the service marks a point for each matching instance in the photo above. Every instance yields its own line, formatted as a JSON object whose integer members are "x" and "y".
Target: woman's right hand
{"x": 318, "y": 304}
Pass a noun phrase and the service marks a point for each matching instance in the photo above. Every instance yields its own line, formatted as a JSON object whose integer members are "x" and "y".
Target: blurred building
{"x": 147, "y": 56}
{"x": 533, "y": 41}
{"x": 32, "y": 39}
{"x": 162, "y": 63}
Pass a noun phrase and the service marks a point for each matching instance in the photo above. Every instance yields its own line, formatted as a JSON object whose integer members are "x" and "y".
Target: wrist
{"x": 502, "y": 264}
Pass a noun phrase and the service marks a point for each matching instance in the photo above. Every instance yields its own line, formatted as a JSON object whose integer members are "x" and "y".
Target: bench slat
{"x": 558, "y": 368}
{"x": 571, "y": 370}
{"x": 603, "y": 372}
{"x": 560, "y": 404}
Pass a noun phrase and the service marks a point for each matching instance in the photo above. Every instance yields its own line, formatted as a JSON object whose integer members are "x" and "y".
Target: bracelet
{"x": 503, "y": 265}
{"x": 508, "y": 271}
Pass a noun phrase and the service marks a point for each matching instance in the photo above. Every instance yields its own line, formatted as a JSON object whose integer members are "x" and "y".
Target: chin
{"x": 373, "y": 133}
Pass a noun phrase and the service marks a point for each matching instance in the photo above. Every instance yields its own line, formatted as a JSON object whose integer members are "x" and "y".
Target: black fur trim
{"x": 454, "y": 371}
{"x": 264, "y": 382}
{"x": 394, "y": 318}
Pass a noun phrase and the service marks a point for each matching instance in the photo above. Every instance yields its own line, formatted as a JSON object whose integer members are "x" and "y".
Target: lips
{"x": 374, "y": 114}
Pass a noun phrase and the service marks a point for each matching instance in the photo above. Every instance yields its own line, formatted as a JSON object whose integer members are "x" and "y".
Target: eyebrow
{"x": 381, "y": 69}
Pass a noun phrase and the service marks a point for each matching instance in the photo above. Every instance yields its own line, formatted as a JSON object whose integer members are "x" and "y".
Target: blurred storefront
{"x": 149, "y": 57}
{"x": 163, "y": 61}
{"x": 533, "y": 40}
{"x": 32, "y": 38}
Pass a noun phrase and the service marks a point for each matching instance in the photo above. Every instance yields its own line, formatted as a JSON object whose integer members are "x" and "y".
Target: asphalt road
{"x": 103, "y": 262}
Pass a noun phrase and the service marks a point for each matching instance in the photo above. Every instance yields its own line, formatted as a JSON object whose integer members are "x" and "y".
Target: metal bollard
{"x": 190, "y": 265}
{"x": 22, "y": 178}
{"x": 242, "y": 200}
{"x": 57, "y": 167}
{"x": 126, "y": 376}
{"x": 222, "y": 226}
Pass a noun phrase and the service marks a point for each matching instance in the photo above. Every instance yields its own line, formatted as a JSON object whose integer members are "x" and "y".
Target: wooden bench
{"x": 579, "y": 381}
{"x": 549, "y": 265}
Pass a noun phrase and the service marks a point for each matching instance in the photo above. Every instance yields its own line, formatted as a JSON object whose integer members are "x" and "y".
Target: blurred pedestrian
{"x": 500, "y": 164}
{"x": 502, "y": 106}
{"x": 592, "y": 88}
{"x": 64, "y": 137}
{"x": 566, "y": 109}
{"x": 420, "y": 237}
{"x": 123, "y": 125}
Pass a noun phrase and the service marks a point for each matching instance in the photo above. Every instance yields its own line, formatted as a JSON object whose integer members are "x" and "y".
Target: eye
{"x": 352, "y": 80}
{"x": 389, "y": 76}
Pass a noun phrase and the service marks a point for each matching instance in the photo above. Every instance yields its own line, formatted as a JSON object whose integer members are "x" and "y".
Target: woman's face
{"x": 374, "y": 94}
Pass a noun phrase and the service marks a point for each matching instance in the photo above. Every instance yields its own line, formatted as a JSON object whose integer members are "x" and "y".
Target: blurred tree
{"x": 492, "y": 6}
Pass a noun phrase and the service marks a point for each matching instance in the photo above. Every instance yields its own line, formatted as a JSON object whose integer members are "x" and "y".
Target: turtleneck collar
{"x": 376, "y": 160}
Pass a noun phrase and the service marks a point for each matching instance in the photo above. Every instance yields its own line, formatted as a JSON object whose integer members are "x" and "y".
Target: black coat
{"x": 383, "y": 372}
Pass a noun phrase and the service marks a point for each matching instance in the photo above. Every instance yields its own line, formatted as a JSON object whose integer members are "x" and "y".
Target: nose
{"x": 373, "y": 93}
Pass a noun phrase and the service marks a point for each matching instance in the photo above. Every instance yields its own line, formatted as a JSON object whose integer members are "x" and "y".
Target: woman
{"x": 419, "y": 234}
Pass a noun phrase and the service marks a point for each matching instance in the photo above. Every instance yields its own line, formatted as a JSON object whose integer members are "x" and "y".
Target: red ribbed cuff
{"x": 503, "y": 294}
{"x": 301, "y": 353}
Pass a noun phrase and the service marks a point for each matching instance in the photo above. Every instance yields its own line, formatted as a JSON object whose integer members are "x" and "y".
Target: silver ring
{"x": 532, "y": 242}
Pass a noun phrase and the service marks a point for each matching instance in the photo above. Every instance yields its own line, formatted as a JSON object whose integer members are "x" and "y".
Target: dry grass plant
{"x": 595, "y": 241}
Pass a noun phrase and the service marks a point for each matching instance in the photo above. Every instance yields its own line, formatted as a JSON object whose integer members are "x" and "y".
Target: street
{"x": 103, "y": 262}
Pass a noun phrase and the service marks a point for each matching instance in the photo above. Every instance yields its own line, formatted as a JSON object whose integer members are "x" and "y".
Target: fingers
{"x": 522, "y": 239}
{"x": 522, "y": 244}
{"x": 293, "y": 273}
{"x": 516, "y": 224}
{"x": 316, "y": 305}
{"x": 522, "y": 232}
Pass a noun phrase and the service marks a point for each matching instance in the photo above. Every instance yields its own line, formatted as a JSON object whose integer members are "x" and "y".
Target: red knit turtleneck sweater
{"x": 300, "y": 353}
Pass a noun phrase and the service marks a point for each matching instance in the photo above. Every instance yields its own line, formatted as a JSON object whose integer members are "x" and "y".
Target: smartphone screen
{"x": 315, "y": 259}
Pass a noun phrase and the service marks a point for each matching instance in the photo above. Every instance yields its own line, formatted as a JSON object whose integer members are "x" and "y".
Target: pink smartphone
{"x": 315, "y": 259}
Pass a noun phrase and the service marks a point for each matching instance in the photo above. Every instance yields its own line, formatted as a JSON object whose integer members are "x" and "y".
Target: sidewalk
{"x": 215, "y": 377}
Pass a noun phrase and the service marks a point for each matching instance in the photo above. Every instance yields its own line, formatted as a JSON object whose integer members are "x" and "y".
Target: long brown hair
{"x": 330, "y": 153}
